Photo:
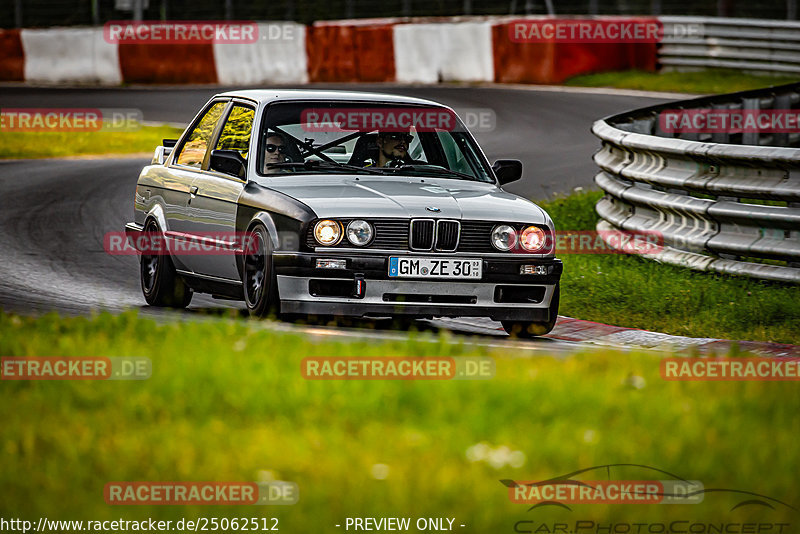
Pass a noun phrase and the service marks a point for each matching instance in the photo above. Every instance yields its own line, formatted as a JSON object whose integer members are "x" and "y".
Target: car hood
{"x": 406, "y": 197}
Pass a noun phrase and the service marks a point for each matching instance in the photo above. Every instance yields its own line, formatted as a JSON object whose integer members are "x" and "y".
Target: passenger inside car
{"x": 384, "y": 149}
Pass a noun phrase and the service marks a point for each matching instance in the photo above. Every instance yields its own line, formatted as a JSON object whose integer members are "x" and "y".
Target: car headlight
{"x": 359, "y": 232}
{"x": 533, "y": 239}
{"x": 504, "y": 237}
{"x": 327, "y": 232}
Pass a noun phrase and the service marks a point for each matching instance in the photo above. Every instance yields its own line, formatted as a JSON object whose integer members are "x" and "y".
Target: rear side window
{"x": 236, "y": 133}
{"x": 196, "y": 145}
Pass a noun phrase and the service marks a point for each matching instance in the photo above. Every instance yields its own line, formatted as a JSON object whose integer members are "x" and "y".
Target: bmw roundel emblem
{"x": 434, "y": 209}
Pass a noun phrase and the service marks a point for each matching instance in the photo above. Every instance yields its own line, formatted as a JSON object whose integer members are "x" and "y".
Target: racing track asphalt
{"x": 54, "y": 213}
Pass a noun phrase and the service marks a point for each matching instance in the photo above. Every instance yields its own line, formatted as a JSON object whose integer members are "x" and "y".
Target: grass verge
{"x": 630, "y": 291}
{"x": 16, "y": 145}
{"x": 226, "y": 402}
{"x": 700, "y": 82}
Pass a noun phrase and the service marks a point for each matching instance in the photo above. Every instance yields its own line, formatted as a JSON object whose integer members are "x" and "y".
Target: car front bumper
{"x": 364, "y": 288}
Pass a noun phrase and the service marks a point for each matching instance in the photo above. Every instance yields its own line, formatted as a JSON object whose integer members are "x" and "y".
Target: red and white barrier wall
{"x": 431, "y": 53}
{"x": 280, "y": 60}
{"x": 369, "y": 50}
{"x": 79, "y": 55}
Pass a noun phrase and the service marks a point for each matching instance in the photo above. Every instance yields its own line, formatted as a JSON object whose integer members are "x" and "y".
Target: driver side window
{"x": 194, "y": 149}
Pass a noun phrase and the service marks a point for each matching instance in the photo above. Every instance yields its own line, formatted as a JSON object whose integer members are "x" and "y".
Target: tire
{"x": 161, "y": 285}
{"x": 259, "y": 282}
{"x": 524, "y": 329}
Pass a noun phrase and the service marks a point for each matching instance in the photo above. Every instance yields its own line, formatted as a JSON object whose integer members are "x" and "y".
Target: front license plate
{"x": 405, "y": 267}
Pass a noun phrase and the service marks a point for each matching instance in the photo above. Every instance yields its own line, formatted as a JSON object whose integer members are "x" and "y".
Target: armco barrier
{"x": 12, "y": 58}
{"x": 731, "y": 208}
{"x": 747, "y": 44}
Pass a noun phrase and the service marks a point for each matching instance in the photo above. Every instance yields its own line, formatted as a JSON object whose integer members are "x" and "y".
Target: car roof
{"x": 273, "y": 95}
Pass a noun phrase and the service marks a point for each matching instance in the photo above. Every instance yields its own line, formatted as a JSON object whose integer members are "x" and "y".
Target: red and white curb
{"x": 569, "y": 329}
{"x": 580, "y": 331}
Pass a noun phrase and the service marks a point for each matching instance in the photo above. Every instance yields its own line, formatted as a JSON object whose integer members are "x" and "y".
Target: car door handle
{"x": 193, "y": 191}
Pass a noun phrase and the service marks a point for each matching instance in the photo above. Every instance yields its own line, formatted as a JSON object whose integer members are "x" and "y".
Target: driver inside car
{"x": 274, "y": 151}
{"x": 393, "y": 148}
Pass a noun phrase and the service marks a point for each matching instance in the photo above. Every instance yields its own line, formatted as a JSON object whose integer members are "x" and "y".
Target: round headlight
{"x": 504, "y": 237}
{"x": 533, "y": 238}
{"x": 359, "y": 232}
{"x": 327, "y": 232}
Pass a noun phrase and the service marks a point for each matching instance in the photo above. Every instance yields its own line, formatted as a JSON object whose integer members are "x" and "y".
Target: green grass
{"x": 15, "y": 145}
{"x": 226, "y": 402}
{"x": 700, "y": 82}
{"x": 630, "y": 291}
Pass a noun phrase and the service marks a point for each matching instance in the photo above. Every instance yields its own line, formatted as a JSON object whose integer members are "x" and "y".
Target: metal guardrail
{"x": 723, "y": 202}
{"x": 747, "y": 44}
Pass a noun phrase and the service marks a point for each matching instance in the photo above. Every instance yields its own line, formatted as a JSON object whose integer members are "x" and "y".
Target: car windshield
{"x": 367, "y": 138}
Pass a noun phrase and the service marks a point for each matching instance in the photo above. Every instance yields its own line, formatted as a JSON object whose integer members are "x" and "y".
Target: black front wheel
{"x": 260, "y": 283}
{"x": 161, "y": 285}
{"x": 529, "y": 329}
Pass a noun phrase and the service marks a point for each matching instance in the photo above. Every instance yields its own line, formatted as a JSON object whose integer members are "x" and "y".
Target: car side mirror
{"x": 507, "y": 170}
{"x": 228, "y": 162}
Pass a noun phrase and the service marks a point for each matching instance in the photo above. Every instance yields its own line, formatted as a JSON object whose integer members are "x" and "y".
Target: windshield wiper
{"x": 435, "y": 169}
{"x": 312, "y": 165}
